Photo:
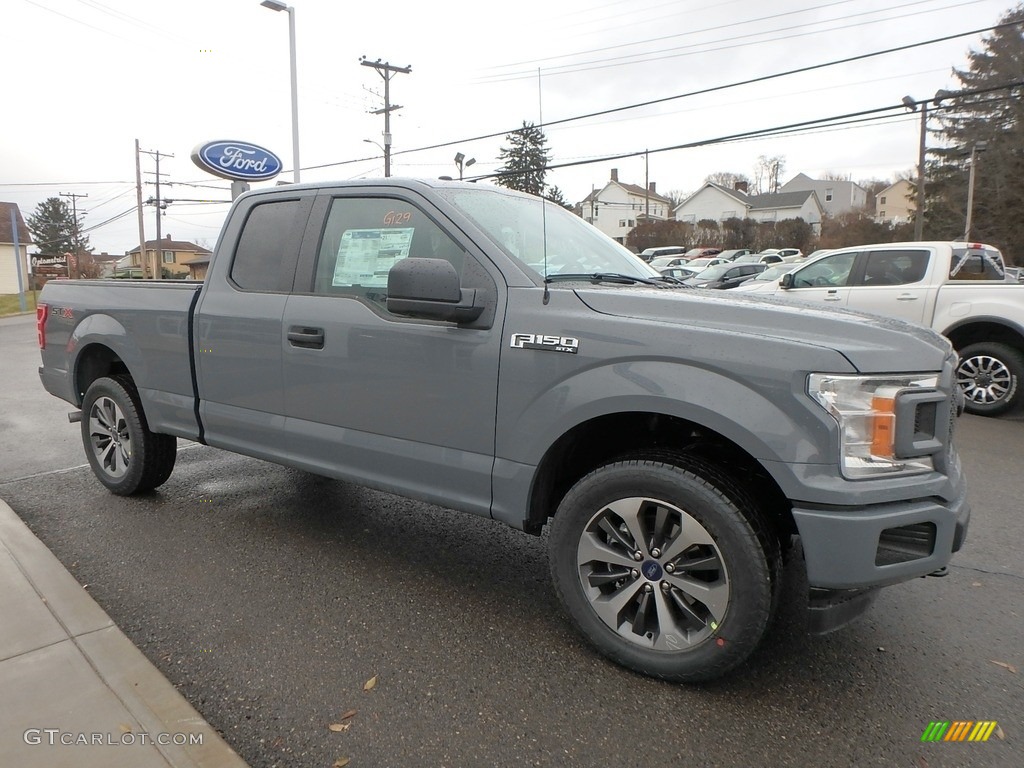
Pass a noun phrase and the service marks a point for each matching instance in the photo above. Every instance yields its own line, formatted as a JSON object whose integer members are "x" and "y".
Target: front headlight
{"x": 865, "y": 409}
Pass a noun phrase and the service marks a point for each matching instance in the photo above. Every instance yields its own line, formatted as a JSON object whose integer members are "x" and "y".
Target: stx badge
{"x": 543, "y": 341}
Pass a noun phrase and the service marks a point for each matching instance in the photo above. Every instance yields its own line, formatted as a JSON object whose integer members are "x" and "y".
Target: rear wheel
{"x": 990, "y": 375}
{"x": 662, "y": 570}
{"x": 125, "y": 456}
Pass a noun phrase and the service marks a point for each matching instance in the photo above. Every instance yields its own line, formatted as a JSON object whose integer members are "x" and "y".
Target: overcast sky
{"x": 85, "y": 78}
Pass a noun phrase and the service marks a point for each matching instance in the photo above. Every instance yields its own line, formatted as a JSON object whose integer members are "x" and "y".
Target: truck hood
{"x": 872, "y": 344}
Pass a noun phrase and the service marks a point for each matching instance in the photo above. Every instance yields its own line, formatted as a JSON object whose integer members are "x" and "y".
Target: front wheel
{"x": 662, "y": 570}
{"x": 990, "y": 375}
{"x": 125, "y": 456}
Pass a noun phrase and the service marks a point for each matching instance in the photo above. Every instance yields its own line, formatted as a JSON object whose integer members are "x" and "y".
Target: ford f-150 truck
{"x": 490, "y": 352}
{"x": 958, "y": 289}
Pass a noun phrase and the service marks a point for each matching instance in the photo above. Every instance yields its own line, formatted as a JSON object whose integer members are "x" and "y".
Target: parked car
{"x": 770, "y": 277}
{"x": 703, "y": 263}
{"x": 764, "y": 257}
{"x": 649, "y": 254}
{"x": 668, "y": 261}
{"x": 679, "y": 273}
{"x": 734, "y": 253}
{"x": 789, "y": 254}
{"x": 700, "y": 253}
{"x": 725, "y": 275}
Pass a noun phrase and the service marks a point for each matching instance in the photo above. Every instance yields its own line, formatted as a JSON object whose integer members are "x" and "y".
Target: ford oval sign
{"x": 237, "y": 160}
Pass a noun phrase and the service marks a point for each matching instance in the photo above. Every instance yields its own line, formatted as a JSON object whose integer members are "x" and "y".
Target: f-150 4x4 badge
{"x": 544, "y": 341}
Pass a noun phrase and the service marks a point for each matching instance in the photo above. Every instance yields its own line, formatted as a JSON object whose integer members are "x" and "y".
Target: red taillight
{"x": 42, "y": 312}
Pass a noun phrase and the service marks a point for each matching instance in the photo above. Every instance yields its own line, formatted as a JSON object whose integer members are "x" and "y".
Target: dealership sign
{"x": 237, "y": 160}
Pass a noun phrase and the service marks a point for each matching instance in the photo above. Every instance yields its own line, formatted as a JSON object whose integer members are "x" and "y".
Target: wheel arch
{"x": 612, "y": 436}
{"x": 93, "y": 362}
{"x": 990, "y": 329}
{"x": 102, "y": 347}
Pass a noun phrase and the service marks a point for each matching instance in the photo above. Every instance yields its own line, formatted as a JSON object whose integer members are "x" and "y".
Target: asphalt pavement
{"x": 280, "y": 604}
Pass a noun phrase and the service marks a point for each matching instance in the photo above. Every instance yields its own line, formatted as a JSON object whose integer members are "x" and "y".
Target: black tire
{"x": 635, "y": 606}
{"x": 991, "y": 376}
{"x": 124, "y": 455}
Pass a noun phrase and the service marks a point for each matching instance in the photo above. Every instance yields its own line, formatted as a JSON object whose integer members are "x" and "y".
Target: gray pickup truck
{"x": 490, "y": 352}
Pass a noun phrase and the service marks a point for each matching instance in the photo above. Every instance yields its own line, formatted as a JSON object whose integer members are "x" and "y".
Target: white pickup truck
{"x": 958, "y": 289}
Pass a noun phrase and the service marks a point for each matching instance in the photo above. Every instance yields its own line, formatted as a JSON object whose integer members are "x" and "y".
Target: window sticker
{"x": 366, "y": 255}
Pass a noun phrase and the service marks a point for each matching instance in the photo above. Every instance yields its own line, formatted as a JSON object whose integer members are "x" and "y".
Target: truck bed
{"x": 142, "y": 325}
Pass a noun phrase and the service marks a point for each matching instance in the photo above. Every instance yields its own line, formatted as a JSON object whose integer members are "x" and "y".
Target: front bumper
{"x": 880, "y": 544}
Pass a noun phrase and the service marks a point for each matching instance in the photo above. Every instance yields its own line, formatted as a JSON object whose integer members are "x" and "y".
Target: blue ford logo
{"x": 237, "y": 160}
{"x": 651, "y": 570}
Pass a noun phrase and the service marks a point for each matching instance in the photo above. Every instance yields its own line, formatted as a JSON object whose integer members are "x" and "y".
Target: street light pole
{"x": 460, "y": 160}
{"x": 978, "y": 147}
{"x": 278, "y": 5}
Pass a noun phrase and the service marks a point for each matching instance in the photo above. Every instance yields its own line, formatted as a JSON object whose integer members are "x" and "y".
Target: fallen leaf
{"x": 339, "y": 727}
{"x": 341, "y": 762}
{"x": 125, "y": 728}
{"x": 1000, "y": 733}
{"x": 1004, "y": 665}
{"x": 349, "y": 714}
{"x": 976, "y": 584}
{"x": 369, "y": 684}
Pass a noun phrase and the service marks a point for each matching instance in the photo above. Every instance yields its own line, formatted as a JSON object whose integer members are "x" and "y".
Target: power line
{"x": 700, "y": 92}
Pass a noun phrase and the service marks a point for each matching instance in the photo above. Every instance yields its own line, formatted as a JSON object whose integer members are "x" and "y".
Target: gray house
{"x": 836, "y": 197}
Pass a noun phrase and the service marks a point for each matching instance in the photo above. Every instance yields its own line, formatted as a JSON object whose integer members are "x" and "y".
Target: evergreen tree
{"x": 997, "y": 119}
{"x": 525, "y": 161}
{"x": 54, "y": 228}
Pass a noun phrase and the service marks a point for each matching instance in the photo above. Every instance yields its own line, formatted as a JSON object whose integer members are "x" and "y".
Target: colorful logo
{"x": 237, "y": 160}
{"x": 959, "y": 730}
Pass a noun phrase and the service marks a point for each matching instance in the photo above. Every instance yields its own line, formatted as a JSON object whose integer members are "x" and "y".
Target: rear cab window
{"x": 977, "y": 263}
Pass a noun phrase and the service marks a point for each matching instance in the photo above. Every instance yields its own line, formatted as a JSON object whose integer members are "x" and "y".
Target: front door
{"x": 402, "y": 404}
{"x": 825, "y": 281}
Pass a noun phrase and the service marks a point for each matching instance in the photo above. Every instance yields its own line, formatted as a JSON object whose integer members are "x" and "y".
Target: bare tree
{"x": 767, "y": 173}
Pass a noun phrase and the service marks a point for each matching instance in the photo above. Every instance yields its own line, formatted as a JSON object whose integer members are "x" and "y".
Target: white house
{"x": 718, "y": 203}
{"x": 617, "y": 207}
{"x": 895, "y": 203}
{"x": 13, "y": 265}
{"x": 836, "y": 196}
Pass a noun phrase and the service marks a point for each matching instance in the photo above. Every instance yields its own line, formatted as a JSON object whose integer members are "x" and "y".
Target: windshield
{"x": 545, "y": 237}
{"x": 774, "y": 273}
{"x": 712, "y": 273}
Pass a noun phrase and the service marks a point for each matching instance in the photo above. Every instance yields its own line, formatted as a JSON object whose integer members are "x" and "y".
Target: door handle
{"x": 907, "y": 297}
{"x": 307, "y": 338}
{"x": 832, "y": 296}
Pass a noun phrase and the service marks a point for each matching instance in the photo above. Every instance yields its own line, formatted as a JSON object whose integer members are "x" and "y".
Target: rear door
{"x": 403, "y": 404}
{"x": 237, "y": 329}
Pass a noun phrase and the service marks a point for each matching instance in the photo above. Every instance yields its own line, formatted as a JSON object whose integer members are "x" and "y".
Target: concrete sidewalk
{"x": 74, "y": 691}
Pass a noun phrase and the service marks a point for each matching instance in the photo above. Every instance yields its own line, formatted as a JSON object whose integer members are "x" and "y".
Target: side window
{"x": 833, "y": 271}
{"x": 895, "y": 267}
{"x": 365, "y": 237}
{"x": 262, "y": 246}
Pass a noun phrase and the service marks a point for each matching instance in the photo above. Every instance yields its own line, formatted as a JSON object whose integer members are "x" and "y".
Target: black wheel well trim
{"x": 94, "y": 361}
{"x": 617, "y": 436}
{"x": 975, "y": 329}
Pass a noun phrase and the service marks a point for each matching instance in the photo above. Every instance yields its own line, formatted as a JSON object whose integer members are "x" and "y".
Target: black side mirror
{"x": 787, "y": 280}
{"x": 429, "y": 288}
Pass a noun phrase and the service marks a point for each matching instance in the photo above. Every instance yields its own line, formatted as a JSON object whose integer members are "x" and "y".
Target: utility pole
{"x": 919, "y": 219}
{"x": 138, "y": 201}
{"x": 386, "y": 71}
{"x": 647, "y": 187}
{"x": 159, "y": 205}
{"x": 77, "y": 242}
